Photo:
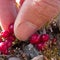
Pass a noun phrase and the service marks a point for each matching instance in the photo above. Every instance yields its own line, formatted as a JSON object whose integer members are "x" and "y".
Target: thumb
{"x": 33, "y": 15}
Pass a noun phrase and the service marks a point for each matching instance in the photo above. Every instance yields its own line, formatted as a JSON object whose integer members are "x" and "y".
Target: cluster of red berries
{"x": 6, "y": 39}
{"x": 39, "y": 40}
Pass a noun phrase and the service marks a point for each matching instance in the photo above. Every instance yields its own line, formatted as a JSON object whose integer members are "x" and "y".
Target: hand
{"x": 32, "y": 16}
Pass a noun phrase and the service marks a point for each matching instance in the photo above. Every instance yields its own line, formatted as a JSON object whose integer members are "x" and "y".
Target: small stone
{"x": 53, "y": 58}
{"x": 44, "y": 31}
{"x": 40, "y": 57}
{"x": 1, "y": 58}
{"x": 14, "y": 58}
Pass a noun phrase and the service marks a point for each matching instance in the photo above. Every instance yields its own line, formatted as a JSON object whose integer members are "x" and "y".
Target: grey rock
{"x": 31, "y": 51}
{"x": 40, "y": 57}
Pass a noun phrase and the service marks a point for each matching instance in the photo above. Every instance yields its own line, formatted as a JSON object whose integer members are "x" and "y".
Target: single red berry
{"x": 44, "y": 37}
{"x": 12, "y": 51}
{"x": 5, "y": 52}
{"x": 11, "y": 28}
{"x": 21, "y": 2}
{"x": 3, "y": 46}
{"x": 8, "y": 43}
{"x": 35, "y": 39}
{"x": 4, "y": 34}
{"x": 40, "y": 46}
{"x": 12, "y": 38}
{"x": 54, "y": 40}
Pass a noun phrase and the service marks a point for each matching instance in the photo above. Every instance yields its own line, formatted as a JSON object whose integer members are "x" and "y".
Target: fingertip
{"x": 24, "y": 30}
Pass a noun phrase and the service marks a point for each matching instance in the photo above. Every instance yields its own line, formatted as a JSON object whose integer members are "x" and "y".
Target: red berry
{"x": 3, "y": 46}
{"x": 21, "y": 2}
{"x": 4, "y": 34}
{"x": 11, "y": 28}
{"x": 12, "y": 51}
{"x": 5, "y": 52}
{"x": 8, "y": 43}
{"x": 44, "y": 37}
{"x": 54, "y": 40}
{"x": 40, "y": 46}
{"x": 12, "y": 38}
{"x": 35, "y": 39}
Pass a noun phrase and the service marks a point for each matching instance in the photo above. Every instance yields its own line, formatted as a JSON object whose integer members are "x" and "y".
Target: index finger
{"x": 8, "y": 13}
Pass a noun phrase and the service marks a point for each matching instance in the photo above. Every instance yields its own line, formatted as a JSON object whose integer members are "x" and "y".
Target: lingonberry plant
{"x": 7, "y": 37}
{"x": 42, "y": 42}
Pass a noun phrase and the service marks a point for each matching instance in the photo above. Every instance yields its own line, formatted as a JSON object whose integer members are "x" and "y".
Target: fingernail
{"x": 25, "y": 30}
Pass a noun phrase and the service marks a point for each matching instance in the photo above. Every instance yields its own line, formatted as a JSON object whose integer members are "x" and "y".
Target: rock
{"x": 40, "y": 57}
{"x": 53, "y": 58}
{"x": 14, "y": 58}
{"x": 31, "y": 51}
{"x": 1, "y": 58}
